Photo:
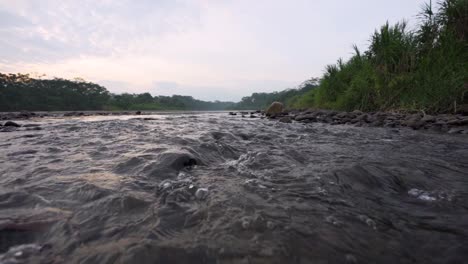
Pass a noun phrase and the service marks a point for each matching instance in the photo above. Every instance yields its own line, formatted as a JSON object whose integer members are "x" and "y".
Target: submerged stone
{"x": 201, "y": 193}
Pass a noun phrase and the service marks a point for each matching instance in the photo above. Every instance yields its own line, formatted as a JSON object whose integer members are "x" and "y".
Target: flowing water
{"x": 213, "y": 188}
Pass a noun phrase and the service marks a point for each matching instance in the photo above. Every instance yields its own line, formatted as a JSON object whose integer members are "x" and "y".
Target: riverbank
{"x": 450, "y": 123}
{"x": 444, "y": 123}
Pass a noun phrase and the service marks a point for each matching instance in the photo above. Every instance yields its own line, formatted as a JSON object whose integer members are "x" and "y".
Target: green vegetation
{"x": 423, "y": 69}
{"x": 289, "y": 97}
{"x": 21, "y": 92}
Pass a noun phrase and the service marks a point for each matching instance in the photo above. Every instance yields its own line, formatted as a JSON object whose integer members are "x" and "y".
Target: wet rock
{"x": 458, "y": 122}
{"x": 20, "y": 254}
{"x": 253, "y": 116}
{"x": 246, "y": 222}
{"x": 455, "y": 130}
{"x": 201, "y": 193}
{"x": 428, "y": 118}
{"x": 71, "y": 114}
{"x": 138, "y": 113}
{"x": 342, "y": 115}
{"x": 303, "y": 117}
{"x": 232, "y": 113}
{"x": 414, "y": 121}
{"x": 270, "y": 225}
{"x": 11, "y": 124}
{"x": 31, "y": 125}
{"x": 285, "y": 119}
{"x": 33, "y": 128}
{"x": 274, "y": 109}
{"x": 8, "y": 129}
{"x": 259, "y": 223}
{"x": 360, "y": 118}
{"x": 25, "y": 115}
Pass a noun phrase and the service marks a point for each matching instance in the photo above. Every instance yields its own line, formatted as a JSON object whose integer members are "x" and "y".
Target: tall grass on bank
{"x": 422, "y": 69}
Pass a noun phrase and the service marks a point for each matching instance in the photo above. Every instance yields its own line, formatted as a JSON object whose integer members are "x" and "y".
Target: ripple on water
{"x": 113, "y": 190}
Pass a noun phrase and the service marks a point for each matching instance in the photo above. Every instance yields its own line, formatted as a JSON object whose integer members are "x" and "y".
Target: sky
{"x": 208, "y": 49}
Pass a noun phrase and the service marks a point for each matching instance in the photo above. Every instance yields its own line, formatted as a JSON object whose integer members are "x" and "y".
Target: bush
{"x": 425, "y": 69}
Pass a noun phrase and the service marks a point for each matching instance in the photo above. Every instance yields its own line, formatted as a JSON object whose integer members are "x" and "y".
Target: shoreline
{"x": 444, "y": 123}
{"x": 449, "y": 123}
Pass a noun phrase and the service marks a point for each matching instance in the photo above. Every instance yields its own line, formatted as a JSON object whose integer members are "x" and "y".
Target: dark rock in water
{"x": 455, "y": 130}
{"x": 36, "y": 128}
{"x": 31, "y": 125}
{"x": 253, "y": 116}
{"x": 274, "y": 109}
{"x": 285, "y": 119}
{"x": 458, "y": 122}
{"x": 414, "y": 121}
{"x": 11, "y": 124}
{"x": 26, "y": 114}
{"x": 428, "y": 118}
{"x": 138, "y": 113}
{"x": 71, "y": 114}
{"x": 21, "y": 253}
{"x": 232, "y": 113}
{"x": 8, "y": 129}
{"x": 170, "y": 162}
{"x": 343, "y": 115}
{"x": 360, "y": 118}
{"x": 201, "y": 193}
{"x": 311, "y": 117}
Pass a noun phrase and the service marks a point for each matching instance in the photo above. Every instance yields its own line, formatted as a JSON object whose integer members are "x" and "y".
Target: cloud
{"x": 52, "y": 31}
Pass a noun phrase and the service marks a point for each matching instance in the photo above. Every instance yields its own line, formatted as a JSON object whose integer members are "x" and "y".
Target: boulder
{"x": 285, "y": 119}
{"x": 11, "y": 124}
{"x": 414, "y": 121}
{"x": 275, "y": 108}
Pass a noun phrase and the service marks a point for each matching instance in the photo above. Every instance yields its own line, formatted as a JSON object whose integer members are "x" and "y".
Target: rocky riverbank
{"x": 449, "y": 123}
{"x": 417, "y": 121}
{"x": 445, "y": 123}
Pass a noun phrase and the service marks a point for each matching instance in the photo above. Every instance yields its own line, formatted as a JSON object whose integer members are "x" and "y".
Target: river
{"x": 212, "y": 188}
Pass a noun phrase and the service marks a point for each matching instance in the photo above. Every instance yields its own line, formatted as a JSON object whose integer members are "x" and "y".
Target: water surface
{"x": 213, "y": 188}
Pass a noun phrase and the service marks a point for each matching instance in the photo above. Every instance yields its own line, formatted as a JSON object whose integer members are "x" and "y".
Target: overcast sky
{"x": 209, "y": 49}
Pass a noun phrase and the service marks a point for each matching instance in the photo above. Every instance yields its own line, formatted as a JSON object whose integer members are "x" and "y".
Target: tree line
{"x": 22, "y": 92}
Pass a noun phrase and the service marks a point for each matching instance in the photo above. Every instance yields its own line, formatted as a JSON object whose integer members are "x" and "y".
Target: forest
{"x": 22, "y": 92}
